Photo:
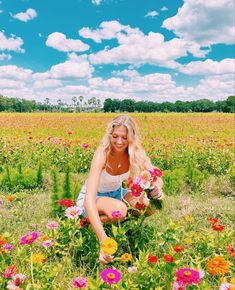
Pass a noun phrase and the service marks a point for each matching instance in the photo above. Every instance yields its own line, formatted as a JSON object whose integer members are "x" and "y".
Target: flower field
{"x": 45, "y": 243}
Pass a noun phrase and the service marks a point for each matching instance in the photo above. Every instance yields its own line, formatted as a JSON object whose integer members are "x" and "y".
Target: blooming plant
{"x": 143, "y": 184}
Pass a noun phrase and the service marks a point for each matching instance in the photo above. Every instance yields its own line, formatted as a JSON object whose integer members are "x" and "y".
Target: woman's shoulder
{"x": 100, "y": 155}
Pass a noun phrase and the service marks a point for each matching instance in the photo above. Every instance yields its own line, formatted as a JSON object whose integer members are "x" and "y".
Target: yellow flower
{"x": 109, "y": 246}
{"x": 189, "y": 218}
{"x": 38, "y": 258}
{"x": 188, "y": 241}
{"x": 218, "y": 266}
{"x": 126, "y": 257}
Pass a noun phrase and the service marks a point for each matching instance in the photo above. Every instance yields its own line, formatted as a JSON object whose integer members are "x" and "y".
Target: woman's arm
{"x": 97, "y": 165}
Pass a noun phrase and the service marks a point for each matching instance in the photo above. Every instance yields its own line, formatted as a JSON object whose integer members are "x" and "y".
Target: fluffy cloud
{"x": 164, "y": 8}
{"x": 96, "y": 2}
{"x": 29, "y": 14}
{"x": 59, "y": 41}
{"x": 151, "y": 14}
{"x": 49, "y": 83}
{"x": 14, "y": 72}
{"x": 4, "y": 56}
{"x": 209, "y": 67}
{"x": 126, "y": 73}
{"x": 205, "y": 22}
{"x": 75, "y": 67}
{"x": 12, "y": 43}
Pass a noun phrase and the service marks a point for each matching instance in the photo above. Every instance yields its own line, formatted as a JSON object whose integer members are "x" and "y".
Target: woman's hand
{"x": 157, "y": 192}
{"x": 104, "y": 258}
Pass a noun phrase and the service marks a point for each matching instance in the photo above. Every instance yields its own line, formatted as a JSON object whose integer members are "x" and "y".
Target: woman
{"x": 102, "y": 193}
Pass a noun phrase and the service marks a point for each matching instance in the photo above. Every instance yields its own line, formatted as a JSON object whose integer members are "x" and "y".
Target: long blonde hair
{"x": 138, "y": 159}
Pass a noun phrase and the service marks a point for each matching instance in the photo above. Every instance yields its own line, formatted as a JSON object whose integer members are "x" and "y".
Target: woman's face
{"x": 119, "y": 140}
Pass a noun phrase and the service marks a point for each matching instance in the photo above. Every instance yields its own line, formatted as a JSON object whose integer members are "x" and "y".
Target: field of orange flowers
{"x": 44, "y": 159}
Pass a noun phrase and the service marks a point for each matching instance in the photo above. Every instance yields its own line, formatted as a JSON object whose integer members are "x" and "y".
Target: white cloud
{"x": 29, "y": 14}
{"x": 12, "y": 43}
{"x": 4, "y": 56}
{"x": 205, "y": 22}
{"x": 126, "y": 73}
{"x": 14, "y": 72}
{"x": 164, "y": 8}
{"x": 75, "y": 67}
{"x": 9, "y": 84}
{"x": 151, "y": 14}
{"x": 59, "y": 41}
{"x": 209, "y": 67}
{"x": 49, "y": 83}
{"x": 96, "y": 2}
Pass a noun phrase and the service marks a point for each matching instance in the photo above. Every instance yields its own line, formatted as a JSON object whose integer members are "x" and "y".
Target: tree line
{"x": 93, "y": 104}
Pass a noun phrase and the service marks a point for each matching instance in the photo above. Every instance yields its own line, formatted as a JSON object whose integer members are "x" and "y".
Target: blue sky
{"x": 161, "y": 50}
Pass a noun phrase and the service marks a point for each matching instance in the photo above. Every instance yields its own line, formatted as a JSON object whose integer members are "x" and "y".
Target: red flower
{"x": 140, "y": 206}
{"x": 212, "y": 220}
{"x": 66, "y": 202}
{"x": 136, "y": 190}
{"x": 155, "y": 173}
{"x": 152, "y": 259}
{"x": 231, "y": 250}
{"x": 218, "y": 227}
{"x": 168, "y": 258}
{"x": 129, "y": 182}
{"x": 179, "y": 248}
{"x": 84, "y": 222}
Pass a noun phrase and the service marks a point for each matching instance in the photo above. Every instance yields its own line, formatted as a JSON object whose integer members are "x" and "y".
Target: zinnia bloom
{"x": 178, "y": 286}
{"x": 140, "y": 206}
{"x": 231, "y": 250}
{"x": 218, "y": 266}
{"x": 9, "y": 272}
{"x": 212, "y": 220}
{"x": 85, "y": 145}
{"x": 52, "y": 225}
{"x": 84, "y": 222}
{"x": 218, "y": 227}
{"x": 38, "y": 258}
{"x": 152, "y": 259}
{"x": 126, "y": 257}
{"x": 109, "y": 246}
{"x": 3, "y": 241}
{"x": 47, "y": 244}
{"x": 110, "y": 276}
{"x": 8, "y": 247}
{"x": 187, "y": 276}
{"x": 227, "y": 286}
{"x": 29, "y": 238}
{"x": 11, "y": 198}
{"x": 79, "y": 282}
{"x": 16, "y": 281}
{"x": 178, "y": 248}
{"x": 132, "y": 269}
{"x": 66, "y": 202}
{"x": 73, "y": 212}
{"x": 168, "y": 258}
{"x": 136, "y": 190}
{"x": 116, "y": 214}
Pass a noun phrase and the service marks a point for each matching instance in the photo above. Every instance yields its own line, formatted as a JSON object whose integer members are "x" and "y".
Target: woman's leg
{"x": 107, "y": 205}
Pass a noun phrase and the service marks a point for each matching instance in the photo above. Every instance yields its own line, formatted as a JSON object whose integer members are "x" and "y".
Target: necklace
{"x": 119, "y": 165}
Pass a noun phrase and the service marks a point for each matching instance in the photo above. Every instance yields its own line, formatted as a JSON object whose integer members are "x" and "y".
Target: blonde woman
{"x": 119, "y": 155}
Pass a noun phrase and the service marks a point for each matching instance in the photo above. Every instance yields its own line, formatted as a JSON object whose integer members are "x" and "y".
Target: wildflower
{"x": 126, "y": 257}
{"x": 79, "y": 282}
{"x": 47, "y": 244}
{"x": 212, "y": 220}
{"x": 3, "y": 241}
{"x": 136, "y": 190}
{"x": 85, "y": 145}
{"x": 29, "y": 238}
{"x": 84, "y": 222}
{"x": 218, "y": 266}
{"x": 109, "y": 246}
{"x": 8, "y": 247}
{"x": 168, "y": 258}
{"x": 231, "y": 250}
{"x": 140, "y": 206}
{"x": 44, "y": 238}
{"x": 132, "y": 269}
{"x": 188, "y": 276}
{"x": 155, "y": 173}
{"x": 66, "y": 202}
{"x": 227, "y": 286}
{"x": 11, "y": 198}
{"x": 218, "y": 227}
{"x": 116, "y": 214}
{"x": 129, "y": 182}
{"x": 152, "y": 259}
{"x": 188, "y": 240}
{"x": 38, "y": 258}
{"x": 178, "y": 286}
{"x": 73, "y": 212}
{"x": 110, "y": 276}
{"x": 189, "y": 218}
{"x": 16, "y": 281}
{"x": 179, "y": 248}
{"x": 9, "y": 271}
{"x": 52, "y": 225}
{"x": 69, "y": 132}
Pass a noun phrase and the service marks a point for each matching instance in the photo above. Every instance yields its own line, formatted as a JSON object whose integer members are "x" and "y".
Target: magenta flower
{"x": 69, "y": 132}
{"x": 85, "y": 145}
{"x": 110, "y": 276}
{"x": 9, "y": 272}
{"x": 79, "y": 282}
{"x": 187, "y": 276}
{"x": 8, "y": 247}
{"x": 29, "y": 238}
{"x": 73, "y": 212}
{"x": 116, "y": 214}
{"x": 52, "y": 225}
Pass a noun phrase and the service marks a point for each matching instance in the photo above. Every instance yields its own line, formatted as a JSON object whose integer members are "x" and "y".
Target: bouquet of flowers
{"x": 143, "y": 184}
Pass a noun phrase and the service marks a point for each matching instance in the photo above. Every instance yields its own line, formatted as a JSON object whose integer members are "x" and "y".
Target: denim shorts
{"x": 118, "y": 194}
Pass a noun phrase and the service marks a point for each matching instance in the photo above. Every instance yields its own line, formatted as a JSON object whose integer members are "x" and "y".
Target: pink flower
{"x": 1, "y": 202}
{"x": 227, "y": 286}
{"x": 69, "y": 132}
{"x": 79, "y": 282}
{"x": 85, "y": 145}
{"x": 187, "y": 276}
{"x": 132, "y": 269}
{"x": 47, "y": 244}
{"x": 52, "y": 225}
{"x": 9, "y": 271}
{"x": 16, "y": 281}
{"x": 136, "y": 190}
{"x": 110, "y": 276}
{"x": 178, "y": 286}
{"x": 29, "y": 238}
{"x": 8, "y": 247}
{"x": 73, "y": 212}
{"x": 116, "y": 214}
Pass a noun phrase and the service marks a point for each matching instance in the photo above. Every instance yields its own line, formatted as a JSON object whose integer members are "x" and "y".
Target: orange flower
{"x": 126, "y": 257}
{"x": 212, "y": 220}
{"x": 218, "y": 227}
{"x": 178, "y": 248}
{"x": 38, "y": 258}
{"x": 44, "y": 238}
{"x": 218, "y": 266}
{"x": 11, "y": 198}
{"x": 168, "y": 258}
